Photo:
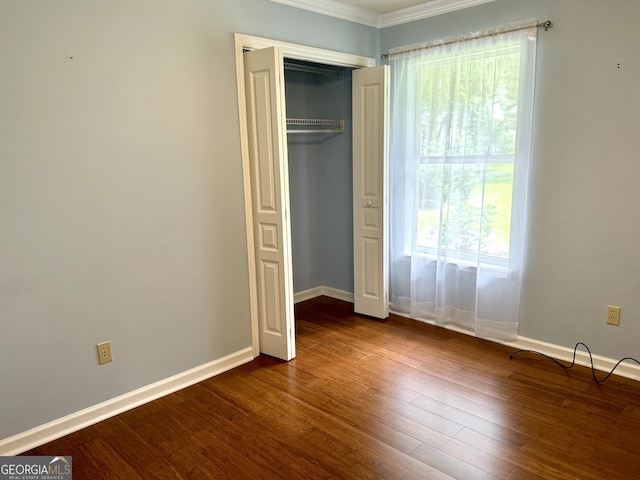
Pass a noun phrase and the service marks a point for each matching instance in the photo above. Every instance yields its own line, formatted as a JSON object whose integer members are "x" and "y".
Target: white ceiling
{"x": 384, "y": 6}
{"x": 382, "y": 13}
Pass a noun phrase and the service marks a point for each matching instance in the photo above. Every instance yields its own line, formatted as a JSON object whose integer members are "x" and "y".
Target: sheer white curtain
{"x": 461, "y": 113}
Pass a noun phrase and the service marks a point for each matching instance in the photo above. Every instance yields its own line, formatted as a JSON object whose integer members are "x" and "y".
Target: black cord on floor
{"x": 573, "y": 363}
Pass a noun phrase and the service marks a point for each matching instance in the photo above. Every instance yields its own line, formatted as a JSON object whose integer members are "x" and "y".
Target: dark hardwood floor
{"x": 369, "y": 399}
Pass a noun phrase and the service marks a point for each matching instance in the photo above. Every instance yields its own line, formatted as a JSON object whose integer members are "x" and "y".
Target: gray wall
{"x": 584, "y": 195}
{"x": 121, "y": 204}
{"x": 337, "y": 192}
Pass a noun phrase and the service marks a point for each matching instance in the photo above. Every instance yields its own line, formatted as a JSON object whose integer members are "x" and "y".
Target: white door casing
{"x": 370, "y": 191}
{"x": 267, "y": 142}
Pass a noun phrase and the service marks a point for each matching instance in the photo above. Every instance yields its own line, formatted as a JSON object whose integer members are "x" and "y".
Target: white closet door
{"x": 370, "y": 191}
{"x": 264, "y": 90}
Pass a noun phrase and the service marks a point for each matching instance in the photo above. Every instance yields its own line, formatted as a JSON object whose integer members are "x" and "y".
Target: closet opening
{"x": 319, "y": 144}
{"x": 329, "y": 222}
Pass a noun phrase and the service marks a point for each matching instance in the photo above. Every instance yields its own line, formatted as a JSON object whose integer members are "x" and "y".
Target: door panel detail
{"x": 371, "y": 113}
{"x": 371, "y": 252}
{"x": 271, "y": 285}
{"x": 371, "y": 218}
{"x": 269, "y": 237}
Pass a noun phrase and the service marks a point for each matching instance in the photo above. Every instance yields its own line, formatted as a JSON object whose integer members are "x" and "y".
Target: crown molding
{"x": 351, "y": 13}
{"x": 426, "y": 10}
{"x": 336, "y": 9}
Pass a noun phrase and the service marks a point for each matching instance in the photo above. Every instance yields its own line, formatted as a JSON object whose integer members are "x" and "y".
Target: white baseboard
{"x": 565, "y": 354}
{"x": 307, "y": 294}
{"x": 89, "y": 416}
{"x": 320, "y": 291}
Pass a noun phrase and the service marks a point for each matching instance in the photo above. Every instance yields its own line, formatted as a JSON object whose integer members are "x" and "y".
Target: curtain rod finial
{"x": 547, "y": 25}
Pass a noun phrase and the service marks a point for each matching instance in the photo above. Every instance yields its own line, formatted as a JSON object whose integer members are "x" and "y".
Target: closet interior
{"x": 319, "y": 143}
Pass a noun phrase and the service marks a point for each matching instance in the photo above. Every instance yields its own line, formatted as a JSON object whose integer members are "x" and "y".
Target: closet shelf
{"x": 311, "y": 69}
{"x": 315, "y": 122}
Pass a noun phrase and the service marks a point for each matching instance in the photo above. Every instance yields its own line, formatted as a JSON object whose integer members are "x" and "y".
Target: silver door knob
{"x": 369, "y": 203}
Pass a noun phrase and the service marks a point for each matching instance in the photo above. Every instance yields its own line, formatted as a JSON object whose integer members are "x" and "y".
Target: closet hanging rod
{"x": 337, "y": 130}
{"x": 311, "y": 69}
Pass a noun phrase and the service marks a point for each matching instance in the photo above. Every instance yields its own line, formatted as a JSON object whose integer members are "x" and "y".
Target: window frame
{"x": 500, "y": 265}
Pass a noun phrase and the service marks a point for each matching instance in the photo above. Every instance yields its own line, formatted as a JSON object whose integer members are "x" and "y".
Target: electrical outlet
{"x": 104, "y": 352}
{"x": 613, "y": 315}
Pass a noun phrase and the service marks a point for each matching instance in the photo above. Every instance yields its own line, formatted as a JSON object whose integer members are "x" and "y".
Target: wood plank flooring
{"x": 370, "y": 399}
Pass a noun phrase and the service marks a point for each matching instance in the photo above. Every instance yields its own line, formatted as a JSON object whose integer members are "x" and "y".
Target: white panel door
{"x": 370, "y": 191}
{"x": 264, "y": 91}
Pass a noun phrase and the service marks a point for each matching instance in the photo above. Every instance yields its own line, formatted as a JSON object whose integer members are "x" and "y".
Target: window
{"x": 467, "y": 108}
{"x": 460, "y": 141}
